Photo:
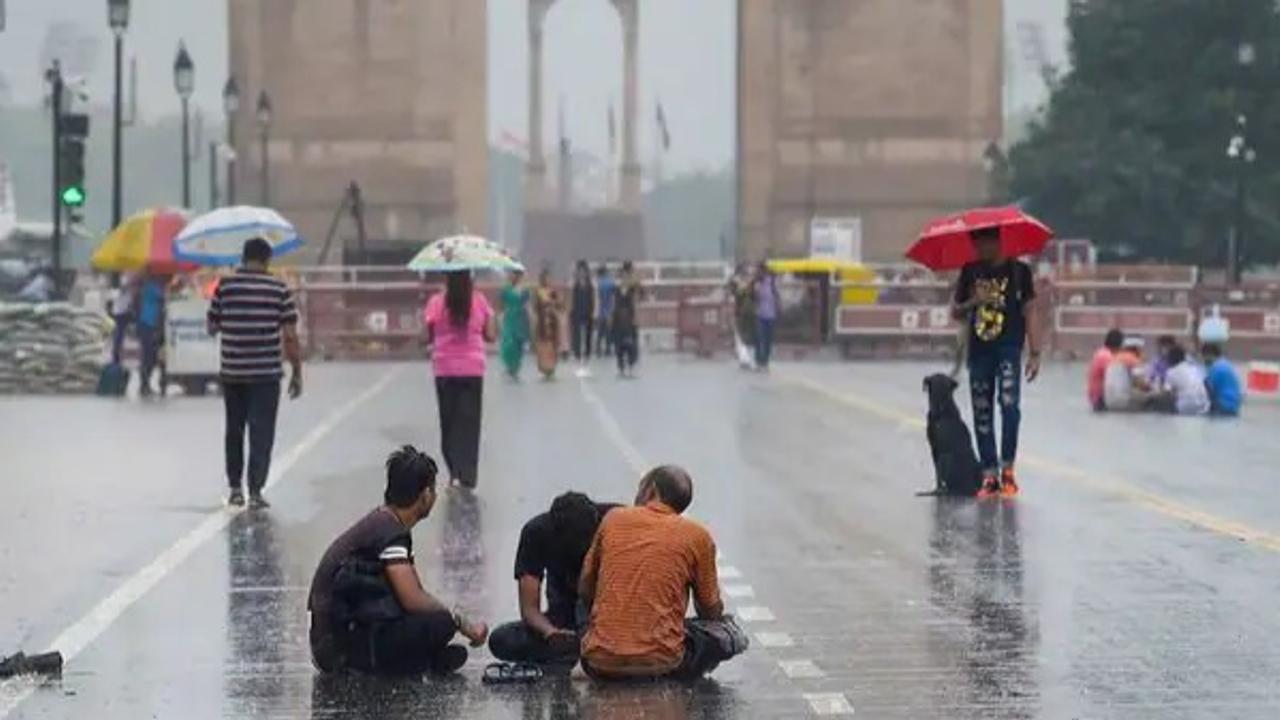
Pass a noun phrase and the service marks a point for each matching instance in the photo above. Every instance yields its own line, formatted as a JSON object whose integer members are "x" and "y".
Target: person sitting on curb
{"x": 552, "y": 546}
{"x": 637, "y": 579}
{"x": 369, "y": 611}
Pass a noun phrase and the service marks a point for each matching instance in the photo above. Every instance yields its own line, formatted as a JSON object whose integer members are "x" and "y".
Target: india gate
{"x": 878, "y": 110}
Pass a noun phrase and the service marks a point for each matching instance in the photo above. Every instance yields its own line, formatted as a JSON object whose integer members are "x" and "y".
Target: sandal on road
{"x": 511, "y": 674}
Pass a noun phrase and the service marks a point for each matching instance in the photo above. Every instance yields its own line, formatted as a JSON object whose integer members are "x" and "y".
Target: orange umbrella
{"x": 144, "y": 243}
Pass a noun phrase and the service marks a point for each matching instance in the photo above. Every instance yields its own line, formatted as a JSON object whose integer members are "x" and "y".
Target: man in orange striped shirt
{"x": 637, "y": 578}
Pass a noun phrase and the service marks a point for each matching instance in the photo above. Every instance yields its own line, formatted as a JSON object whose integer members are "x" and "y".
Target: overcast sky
{"x": 686, "y": 55}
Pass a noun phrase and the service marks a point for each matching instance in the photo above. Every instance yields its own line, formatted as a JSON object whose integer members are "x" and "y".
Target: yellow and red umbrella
{"x": 144, "y": 243}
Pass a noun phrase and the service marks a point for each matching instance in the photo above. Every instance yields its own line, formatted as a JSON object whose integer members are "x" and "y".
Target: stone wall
{"x": 388, "y": 93}
{"x": 873, "y": 108}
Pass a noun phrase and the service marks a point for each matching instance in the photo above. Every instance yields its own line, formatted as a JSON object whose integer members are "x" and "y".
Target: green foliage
{"x": 1130, "y": 150}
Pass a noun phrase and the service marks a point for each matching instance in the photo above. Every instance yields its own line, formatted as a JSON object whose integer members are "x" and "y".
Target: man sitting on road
{"x": 1186, "y": 393}
{"x": 1124, "y": 386}
{"x": 636, "y": 580}
{"x": 1111, "y": 345}
{"x": 552, "y": 545}
{"x": 1222, "y": 382}
{"x": 369, "y": 611}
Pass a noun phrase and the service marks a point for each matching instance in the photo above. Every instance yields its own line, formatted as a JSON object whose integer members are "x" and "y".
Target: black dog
{"x": 954, "y": 460}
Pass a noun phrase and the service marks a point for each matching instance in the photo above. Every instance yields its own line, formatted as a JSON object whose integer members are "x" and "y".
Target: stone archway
{"x": 537, "y": 190}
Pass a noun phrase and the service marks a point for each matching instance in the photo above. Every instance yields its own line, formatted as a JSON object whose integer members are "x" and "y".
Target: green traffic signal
{"x": 73, "y": 196}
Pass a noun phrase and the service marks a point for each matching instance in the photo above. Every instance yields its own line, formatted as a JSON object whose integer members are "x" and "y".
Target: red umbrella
{"x": 946, "y": 244}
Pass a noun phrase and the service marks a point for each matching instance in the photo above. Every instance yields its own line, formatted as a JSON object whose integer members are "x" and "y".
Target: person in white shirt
{"x": 1185, "y": 383}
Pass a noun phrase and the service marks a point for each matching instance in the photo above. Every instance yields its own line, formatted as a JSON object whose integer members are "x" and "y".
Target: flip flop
{"x": 511, "y": 674}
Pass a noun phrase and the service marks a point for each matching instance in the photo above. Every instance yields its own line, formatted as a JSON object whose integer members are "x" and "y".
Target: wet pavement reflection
{"x": 1070, "y": 602}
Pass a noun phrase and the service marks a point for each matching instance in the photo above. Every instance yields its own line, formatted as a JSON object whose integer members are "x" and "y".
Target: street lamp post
{"x": 184, "y": 81}
{"x": 264, "y": 126}
{"x": 118, "y": 19}
{"x": 1242, "y": 155}
{"x": 231, "y": 106}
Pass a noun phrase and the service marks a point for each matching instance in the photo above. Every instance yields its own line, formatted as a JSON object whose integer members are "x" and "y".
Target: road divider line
{"x": 1144, "y": 498}
{"x": 774, "y": 640}
{"x": 801, "y": 669}
{"x": 74, "y": 639}
{"x": 828, "y": 703}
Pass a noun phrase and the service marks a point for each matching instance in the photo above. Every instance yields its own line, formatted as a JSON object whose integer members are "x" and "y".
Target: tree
{"x": 1131, "y": 148}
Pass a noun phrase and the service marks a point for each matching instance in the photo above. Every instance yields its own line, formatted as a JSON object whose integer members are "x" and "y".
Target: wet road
{"x": 1138, "y": 576}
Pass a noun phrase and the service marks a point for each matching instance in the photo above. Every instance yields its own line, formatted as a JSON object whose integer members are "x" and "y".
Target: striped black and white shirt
{"x": 249, "y": 309}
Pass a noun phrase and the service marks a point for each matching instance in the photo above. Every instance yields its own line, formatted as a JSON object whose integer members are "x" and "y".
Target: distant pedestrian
{"x": 546, "y": 325}
{"x": 1222, "y": 382}
{"x": 1096, "y": 377}
{"x": 742, "y": 293}
{"x": 150, "y": 325}
{"x": 459, "y": 322}
{"x": 625, "y": 321}
{"x": 582, "y": 311}
{"x": 606, "y": 290}
{"x": 996, "y": 296}
{"x": 257, "y": 317}
{"x": 768, "y": 301}
{"x": 515, "y": 324}
{"x": 121, "y": 310}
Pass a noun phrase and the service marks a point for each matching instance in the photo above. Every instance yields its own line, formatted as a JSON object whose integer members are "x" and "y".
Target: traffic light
{"x": 71, "y": 190}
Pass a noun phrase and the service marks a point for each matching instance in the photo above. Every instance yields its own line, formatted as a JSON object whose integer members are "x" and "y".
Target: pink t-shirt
{"x": 459, "y": 351}
{"x": 1098, "y": 374}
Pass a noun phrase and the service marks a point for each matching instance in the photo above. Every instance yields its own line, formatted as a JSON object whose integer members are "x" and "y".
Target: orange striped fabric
{"x": 641, "y": 568}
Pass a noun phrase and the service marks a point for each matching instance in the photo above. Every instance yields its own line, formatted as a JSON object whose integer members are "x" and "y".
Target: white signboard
{"x": 836, "y": 238}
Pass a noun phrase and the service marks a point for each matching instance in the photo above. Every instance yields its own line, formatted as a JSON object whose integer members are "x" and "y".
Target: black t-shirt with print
{"x": 1003, "y": 322}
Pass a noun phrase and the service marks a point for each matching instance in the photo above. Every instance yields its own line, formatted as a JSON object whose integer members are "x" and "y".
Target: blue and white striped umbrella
{"x": 218, "y": 237}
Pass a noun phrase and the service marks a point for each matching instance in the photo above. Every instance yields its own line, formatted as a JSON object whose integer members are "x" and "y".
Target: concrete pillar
{"x": 535, "y": 188}
{"x": 629, "y": 11}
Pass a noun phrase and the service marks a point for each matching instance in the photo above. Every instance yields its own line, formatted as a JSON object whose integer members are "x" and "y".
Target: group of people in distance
{"x": 617, "y": 580}
{"x": 601, "y": 315}
{"x": 1121, "y": 380}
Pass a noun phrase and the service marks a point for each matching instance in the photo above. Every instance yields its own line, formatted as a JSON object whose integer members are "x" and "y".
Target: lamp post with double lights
{"x": 231, "y": 106}
{"x": 184, "y": 81}
{"x": 1242, "y": 155}
{"x": 264, "y": 127}
{"x": 118, "y": 19}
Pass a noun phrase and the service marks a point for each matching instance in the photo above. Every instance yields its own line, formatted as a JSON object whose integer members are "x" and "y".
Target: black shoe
{"x": 236, "y": 499}
{"x": 257, "y": 502}
{"x": 449, "y": 661}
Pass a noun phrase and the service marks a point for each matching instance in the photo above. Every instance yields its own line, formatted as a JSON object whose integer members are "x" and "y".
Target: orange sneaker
{"x": 1008, "y": 483}
{"x": 990, "y": 486}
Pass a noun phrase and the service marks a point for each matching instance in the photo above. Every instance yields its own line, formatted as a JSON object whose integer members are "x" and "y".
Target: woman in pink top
{"x": 459, "y": 322}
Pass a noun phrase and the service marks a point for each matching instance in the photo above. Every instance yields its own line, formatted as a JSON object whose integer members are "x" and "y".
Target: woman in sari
{"x": 546, "y": 325}
{"x": 515, "y": 324}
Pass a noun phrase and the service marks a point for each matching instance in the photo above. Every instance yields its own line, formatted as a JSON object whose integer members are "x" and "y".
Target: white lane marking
{"x": 829, "y": 703}
{"x": 774, "y": 640}
{"x": 729, "y": 572}
{"x": 635, "y": 459}
{"x": 797, "y": 669}
{"x": 739, "y": 591}
{"x": 74, "y": 639}
{"x": 754, "y": 613}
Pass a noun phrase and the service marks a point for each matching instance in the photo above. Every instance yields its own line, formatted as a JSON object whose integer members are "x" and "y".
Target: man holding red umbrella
{"x": 995, "y": 297}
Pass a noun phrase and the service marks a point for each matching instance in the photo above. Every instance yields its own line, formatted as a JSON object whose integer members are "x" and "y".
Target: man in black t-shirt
{"x": 368, "y": 609}
{"x": 552, "y": 548}
{"x": 995, "y": 296}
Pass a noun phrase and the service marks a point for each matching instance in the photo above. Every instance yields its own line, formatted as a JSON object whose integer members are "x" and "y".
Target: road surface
{"x": 1137, "y": 577}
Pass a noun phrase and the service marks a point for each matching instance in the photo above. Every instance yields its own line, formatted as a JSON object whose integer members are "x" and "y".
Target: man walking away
{"x": 121, "y": 311}
{"x": 150, "y": 330}
{"x": 637, "y": 579}
{"x": 606, "y": 288}
{"x": 552, "y": 547}
{"x": 256, "y": 314}
{"x": 626, "y": 334}
{"x": 996, "y": 296}
{"x": 582, "y": 311}
{"x": 369, "y": 611}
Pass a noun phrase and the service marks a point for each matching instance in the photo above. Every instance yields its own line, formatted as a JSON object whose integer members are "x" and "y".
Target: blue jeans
{"x": 991, "y": 368}
{"x": 764, "y": 341}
